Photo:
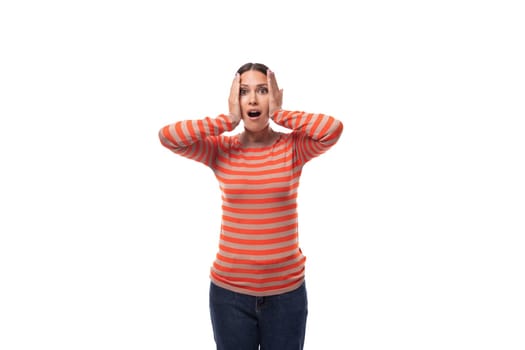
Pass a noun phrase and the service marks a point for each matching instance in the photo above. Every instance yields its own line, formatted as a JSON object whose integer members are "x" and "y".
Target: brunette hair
{"x": 253, "y": 66}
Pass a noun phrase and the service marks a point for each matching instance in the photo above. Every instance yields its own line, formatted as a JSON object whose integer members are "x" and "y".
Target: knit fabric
{"x": 258, "y": 251}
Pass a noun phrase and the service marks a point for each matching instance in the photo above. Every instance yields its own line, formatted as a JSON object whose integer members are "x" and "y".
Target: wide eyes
{"x": 261, "y": 90}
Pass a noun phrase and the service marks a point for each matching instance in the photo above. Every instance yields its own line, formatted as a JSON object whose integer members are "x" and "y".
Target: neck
{"x": 261, "y": 137}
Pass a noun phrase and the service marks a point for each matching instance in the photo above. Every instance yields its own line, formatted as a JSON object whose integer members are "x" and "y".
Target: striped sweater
{"x": 258, "y": 251}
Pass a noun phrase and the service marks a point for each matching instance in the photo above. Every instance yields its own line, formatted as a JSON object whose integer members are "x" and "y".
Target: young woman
{"x": 257, "y": 293}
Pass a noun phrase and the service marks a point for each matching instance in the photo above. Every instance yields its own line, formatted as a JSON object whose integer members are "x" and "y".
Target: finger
{"x": 272, "y": 81}
{"x": 234, "y": 90}
{"x": 269, "y": 81}
{"x": 235, "y": 82}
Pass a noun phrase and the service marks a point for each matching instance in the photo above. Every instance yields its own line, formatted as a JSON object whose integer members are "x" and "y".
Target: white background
{"x": 413, "y": 223}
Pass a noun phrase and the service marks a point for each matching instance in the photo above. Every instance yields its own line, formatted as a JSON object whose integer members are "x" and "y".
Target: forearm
{"x": 181, "y": 135}
{"x": 315, "y": 126}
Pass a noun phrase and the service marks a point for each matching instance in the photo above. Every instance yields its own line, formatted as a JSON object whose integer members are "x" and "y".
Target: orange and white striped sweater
{"x": 259, "y": 251}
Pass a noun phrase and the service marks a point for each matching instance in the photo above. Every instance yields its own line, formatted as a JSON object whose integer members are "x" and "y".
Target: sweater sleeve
{"x": 195, "y": 139}
{"x": 313, "y": 133}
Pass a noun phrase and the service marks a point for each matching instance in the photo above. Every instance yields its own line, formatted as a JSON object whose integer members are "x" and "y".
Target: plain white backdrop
{"x": 412, "y": 224}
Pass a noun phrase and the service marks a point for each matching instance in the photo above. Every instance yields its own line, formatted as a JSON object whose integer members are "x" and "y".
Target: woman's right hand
{"x": 233, "y": 101}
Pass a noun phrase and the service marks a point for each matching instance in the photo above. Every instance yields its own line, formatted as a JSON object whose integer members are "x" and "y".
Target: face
{"x": 254, "y": 100}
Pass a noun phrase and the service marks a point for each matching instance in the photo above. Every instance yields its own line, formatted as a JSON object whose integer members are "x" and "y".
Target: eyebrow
{"x": 258, "y": 85}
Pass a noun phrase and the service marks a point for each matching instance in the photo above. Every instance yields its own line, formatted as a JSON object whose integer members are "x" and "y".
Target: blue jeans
{"x": 243, "y": 322}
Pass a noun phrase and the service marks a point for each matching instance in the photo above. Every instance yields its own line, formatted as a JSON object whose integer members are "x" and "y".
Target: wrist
{"x": 234, "y": 120}
{"x": 275, "y": 112}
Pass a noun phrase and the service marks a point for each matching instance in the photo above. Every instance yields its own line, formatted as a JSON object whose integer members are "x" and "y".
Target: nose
{"x": 252, "y": 98}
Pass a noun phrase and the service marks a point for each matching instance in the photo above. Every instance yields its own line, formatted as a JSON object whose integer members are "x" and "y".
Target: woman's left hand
{"x": 276, "y": 94}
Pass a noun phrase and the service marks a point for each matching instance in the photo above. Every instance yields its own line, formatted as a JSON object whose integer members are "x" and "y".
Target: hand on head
{"x": 233, "y": 101}
{"x": 276, "y": 94}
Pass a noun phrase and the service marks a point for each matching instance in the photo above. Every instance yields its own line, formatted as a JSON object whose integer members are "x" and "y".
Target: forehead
{"x": 253, "y": 77}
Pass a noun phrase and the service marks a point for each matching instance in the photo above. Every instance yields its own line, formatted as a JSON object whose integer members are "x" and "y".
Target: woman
{"x": 257, "y": 292}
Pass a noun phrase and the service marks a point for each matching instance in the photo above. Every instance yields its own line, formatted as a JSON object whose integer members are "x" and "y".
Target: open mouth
{"x": 254, "y": 114}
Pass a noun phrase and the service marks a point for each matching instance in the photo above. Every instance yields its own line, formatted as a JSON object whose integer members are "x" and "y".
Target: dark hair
{"x": 253, "y": 66}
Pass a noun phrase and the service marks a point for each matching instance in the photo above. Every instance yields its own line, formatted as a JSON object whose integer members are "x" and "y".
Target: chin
{"x": 255, "y": 125}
